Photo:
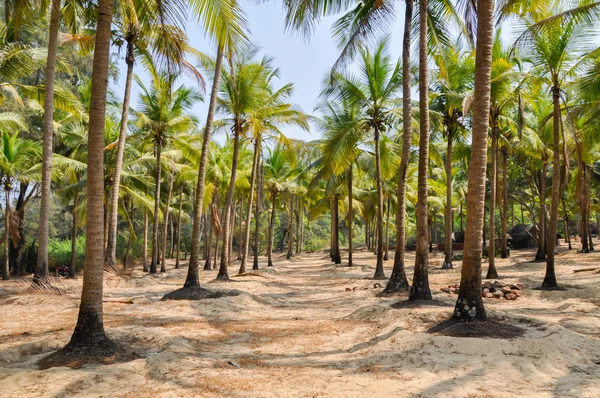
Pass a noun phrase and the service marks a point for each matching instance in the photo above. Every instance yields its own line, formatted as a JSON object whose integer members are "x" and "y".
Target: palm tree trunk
{"x": 541, "y": 252}
{"x": 163, "y": 263}
{"x": 350, "y": 216}
{"x": 550, "y": 277}
{"x": 379, "y": 274}
{"x": 492, "y": 272}
{"x": 246, "y": 237}
{"x": 145, "y": 244}
{"x": 74, "y": 235}
{"x": 420, "y": 286}
{"x": 89, "y": 341}
{"x": 448, "y": 254}
{"x": 41, "y": 269}
{"x": 178, "y": 251}
{"x": 504, "y": 203}
{"x": 469, "y": 305}
{"x": 111, "y": 249}
{"x": 155, "y": 223}
{"x": 259, "y": 199}
{"x": 223, "y": 274}
{"x": 337, "y": 257}
{"x": 233, "y": 217}
{"x": 290, "y": 245}
{"x": 387, "y": 231}
{"x": 192, "y": 279}
{"x": 241, "y": 229}
{"x": 398, "y": 281}
{"x": 5, "y": 268}
{"x": 271, "y": 225}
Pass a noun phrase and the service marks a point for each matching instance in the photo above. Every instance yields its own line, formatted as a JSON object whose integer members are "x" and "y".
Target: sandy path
{"x": 297, "y": 332}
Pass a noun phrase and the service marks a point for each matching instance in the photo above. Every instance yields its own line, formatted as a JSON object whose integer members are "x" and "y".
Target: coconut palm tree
{"x": 374, "y": 90}
{"x": 225, "y": 22}
{"x": 451, "y": 88}
{"x": 162, "y": 113}
{"x": 265, "y": 123}
{"x": 469, "y": 305}
{"x": 89, "y": 342}
{"x": 17, "y": 157}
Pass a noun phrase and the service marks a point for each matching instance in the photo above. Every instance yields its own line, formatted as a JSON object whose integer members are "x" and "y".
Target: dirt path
{"x": 297, "y": 332}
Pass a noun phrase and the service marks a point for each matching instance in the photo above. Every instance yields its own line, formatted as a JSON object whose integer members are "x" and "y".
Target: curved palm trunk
{"x": 420, "y": 286}
{"x": 155, "y": 222}
{"x": 223, "y": 274}
{"x": 145, "y": 244}
{"x": 246, "y": 237}
{"x": 492, "y": 272}
{"x": 208, "y": 261}
{"x": 74, "y": 235}
{"x": 504, "y": 253}
{"x": 89, "y": 341}
{"x": 349, "y": 217}
{"x": 448, "y": 254}
{"x": 163, "y": 265}
{"x": 178, "y": 250}
{"x": 111, "y": 247}
{"x": 41, "y": 269}
{"x": 550, "y": 277}
{"x": 469, "y": 305}
{"x": 192, "y": 279}
{"x": 271, "y": 224}
{"x": 5, "y": 267}
{"x": 398, "y": 281}
{"x": 379, "y": 274}
{"x": 241, "y": 230}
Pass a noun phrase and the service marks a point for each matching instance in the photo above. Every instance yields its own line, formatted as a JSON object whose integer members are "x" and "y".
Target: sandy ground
{"x": 297, "y": 332}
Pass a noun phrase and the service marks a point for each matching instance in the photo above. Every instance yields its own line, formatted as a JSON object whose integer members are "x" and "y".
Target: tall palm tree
{"x": 373, "y": 90}
{"x": 243, "y": 90}
{"x": 155, "y": 43}
{"x": 48, "y": 131}
{"x": 163, "y": 112}
{"x": 89, "y": 342}
{"x": 225, "y": 22}
{"x": 419, "y": 289}
{"x": 469, "y": 305}
{"x": 265, "y": 123}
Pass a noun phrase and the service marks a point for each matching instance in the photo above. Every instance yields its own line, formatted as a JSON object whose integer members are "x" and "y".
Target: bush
{"x": 59, "y": 252}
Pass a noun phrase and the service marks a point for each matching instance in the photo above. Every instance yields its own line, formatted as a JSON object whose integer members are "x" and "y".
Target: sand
{"x": 297, "y": 332}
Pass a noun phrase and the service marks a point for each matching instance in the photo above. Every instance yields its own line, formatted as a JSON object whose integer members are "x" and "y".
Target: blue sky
{"x": 301, "y": 62}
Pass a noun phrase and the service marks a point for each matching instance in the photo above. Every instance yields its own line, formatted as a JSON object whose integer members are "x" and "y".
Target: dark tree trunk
{"x": 349, "y": 217}
{"x": 492, "y": 272}
{"x": 541, "y": 252}
{"x": 74, "y": 235}
{"x": 155, "y": 222}
{"x": 178, "y": 251}
{"x": 290, "y": 229}
{"x": 504, "y": 253}
{"x": 337, "y": 258}
{"x": 379, "y": 274}
{"x": 271, "y": 225}
{"x": 448, "y": 254}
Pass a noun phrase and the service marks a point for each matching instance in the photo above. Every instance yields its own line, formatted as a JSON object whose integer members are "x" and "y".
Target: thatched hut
{"x": 523, "y": 236}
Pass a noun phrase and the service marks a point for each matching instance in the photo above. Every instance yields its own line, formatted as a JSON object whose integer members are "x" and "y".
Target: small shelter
{"x": 523, "y": 236}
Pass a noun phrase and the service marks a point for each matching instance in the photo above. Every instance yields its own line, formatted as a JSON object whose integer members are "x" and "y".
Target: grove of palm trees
{"x": 403, "y": 202}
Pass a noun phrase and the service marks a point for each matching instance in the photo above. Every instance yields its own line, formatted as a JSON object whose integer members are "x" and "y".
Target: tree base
{"x": 488, "y": 328}
{"x": 198, "y": 293}
{"x": 75, "y": 355}
{"x": 447, "y": 265}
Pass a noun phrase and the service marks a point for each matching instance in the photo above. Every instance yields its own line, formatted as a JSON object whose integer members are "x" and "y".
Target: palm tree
{"x": 419, "y": 289}
{"x": 17, "y": 157}
{"x": 453, "y": 82}
{"x": 155, "y": 43}
{"x": 243, "y": 90}
{"x": 162, "y": 113}
{"x": 373, "y": 90}
{"x": 469, "y": 305}
{"x": 225, "y": 22}
{"x": 265, "y": 123}
{"x": 89, "y": 342}
{"x": 43, "y": 234}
